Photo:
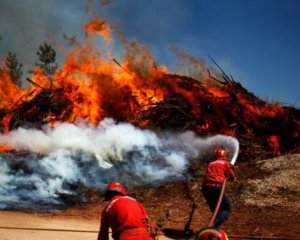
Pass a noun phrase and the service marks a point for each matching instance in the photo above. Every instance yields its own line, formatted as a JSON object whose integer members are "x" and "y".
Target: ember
{"x": 93, "y": 86}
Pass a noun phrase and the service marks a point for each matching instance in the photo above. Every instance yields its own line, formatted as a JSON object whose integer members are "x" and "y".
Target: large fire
{"x": 92, "y": 85}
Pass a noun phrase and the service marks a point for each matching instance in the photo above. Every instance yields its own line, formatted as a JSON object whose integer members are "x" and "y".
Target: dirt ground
{"x": 265, "y": 199}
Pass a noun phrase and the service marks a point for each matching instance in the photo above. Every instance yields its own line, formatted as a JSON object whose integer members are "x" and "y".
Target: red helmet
{"x": 210, "y": 233}
{"x": 220, "y": 152}
{"x": 116, "y": 187}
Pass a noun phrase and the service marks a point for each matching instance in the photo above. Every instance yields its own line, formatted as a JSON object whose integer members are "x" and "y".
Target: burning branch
{"x": 212, "y": 77}
{"x": 119, "y": 65}
{"x": 224, "y": 75}
{"x": 35, "y": 84}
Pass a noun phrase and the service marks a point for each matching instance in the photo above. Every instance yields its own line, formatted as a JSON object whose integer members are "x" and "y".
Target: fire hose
{"x": 213, "y": 218}
{"x": 90, "y": 231}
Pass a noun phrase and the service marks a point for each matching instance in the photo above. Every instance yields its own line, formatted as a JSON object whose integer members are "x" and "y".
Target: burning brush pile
{"x": 96, "y": 120}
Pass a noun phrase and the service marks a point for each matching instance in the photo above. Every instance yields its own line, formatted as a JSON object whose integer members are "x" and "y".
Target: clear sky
{"x": 256, "y": 41}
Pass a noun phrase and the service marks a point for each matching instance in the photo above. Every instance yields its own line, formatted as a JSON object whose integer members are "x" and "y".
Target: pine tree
{"x": 14, "y": 68}
{"x": 47, "y": 57}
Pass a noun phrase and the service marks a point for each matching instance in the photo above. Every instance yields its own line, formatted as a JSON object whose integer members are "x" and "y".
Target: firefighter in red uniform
{"x": 214, "y": 177}
{"x": 125, "y": 216}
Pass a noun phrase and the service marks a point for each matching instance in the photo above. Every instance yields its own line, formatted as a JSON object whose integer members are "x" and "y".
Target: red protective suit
{"x": 127, "y": 218}
{"x": 216, "y": 173}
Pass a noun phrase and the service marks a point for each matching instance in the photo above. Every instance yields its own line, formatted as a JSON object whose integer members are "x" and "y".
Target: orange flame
{"x": 273, "y": 142}
{"x": 9, "y": 92}
{"x": 99, "y": 27}
{"x": 96, "y": 86}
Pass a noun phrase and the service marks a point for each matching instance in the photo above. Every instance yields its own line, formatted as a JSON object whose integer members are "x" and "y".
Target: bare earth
{"x": 45, "y": 221}
{"x": 265, "y": 199}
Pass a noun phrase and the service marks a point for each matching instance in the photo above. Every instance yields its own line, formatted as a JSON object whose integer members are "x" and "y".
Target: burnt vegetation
{"x": 220, "y": 106}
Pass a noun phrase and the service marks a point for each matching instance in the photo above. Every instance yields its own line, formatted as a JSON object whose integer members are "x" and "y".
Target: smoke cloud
{"x": 60, "y": 160}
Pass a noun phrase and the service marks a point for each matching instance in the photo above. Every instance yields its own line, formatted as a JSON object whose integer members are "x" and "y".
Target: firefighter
{"x": 214, "y": 177}
{"x": 125, "y": 216}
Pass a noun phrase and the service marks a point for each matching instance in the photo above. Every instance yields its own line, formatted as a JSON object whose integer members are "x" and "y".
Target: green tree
{"x": 14, "y": 68}
{"x": 47, "y": 57}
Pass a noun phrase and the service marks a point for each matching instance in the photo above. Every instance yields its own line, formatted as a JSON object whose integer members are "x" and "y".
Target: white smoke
{"x": 59, "y": 160}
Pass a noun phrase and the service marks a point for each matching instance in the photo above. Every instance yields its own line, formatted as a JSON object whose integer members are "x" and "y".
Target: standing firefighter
{"x": 214, "y": 177}
{"x": 125, "y": 216}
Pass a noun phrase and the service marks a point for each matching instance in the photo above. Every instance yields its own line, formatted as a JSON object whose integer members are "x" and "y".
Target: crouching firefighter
{"x": 214, "y": 177}
{"x": 125, "y": 216}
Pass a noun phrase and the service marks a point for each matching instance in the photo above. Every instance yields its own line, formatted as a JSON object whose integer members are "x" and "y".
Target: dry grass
{"x": 279, "y": 187}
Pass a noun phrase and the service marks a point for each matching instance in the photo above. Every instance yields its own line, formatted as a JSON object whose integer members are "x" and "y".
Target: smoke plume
{"x": 58, "y": 161}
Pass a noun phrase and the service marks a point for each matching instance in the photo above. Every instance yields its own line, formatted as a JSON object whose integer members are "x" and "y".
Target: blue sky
{"x": 256, "y": 41}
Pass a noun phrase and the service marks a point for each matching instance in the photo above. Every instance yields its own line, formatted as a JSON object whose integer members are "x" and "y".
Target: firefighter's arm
{"x": 149, "y": 224}
{"x": 104, "y": 227}
{"x": 229, "y": 173}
